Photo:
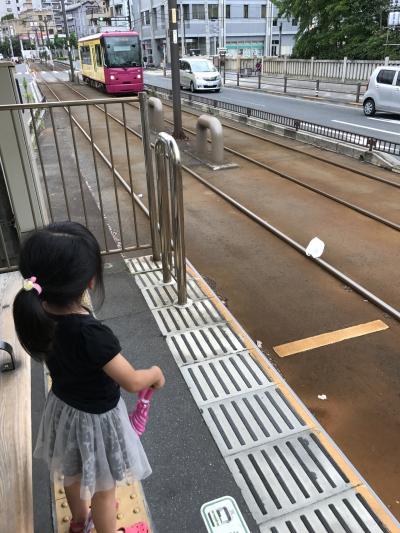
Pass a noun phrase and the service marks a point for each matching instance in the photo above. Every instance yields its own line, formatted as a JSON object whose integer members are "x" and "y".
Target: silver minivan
{"x": 383, "y": 91}
{"x": 199, "y": 74}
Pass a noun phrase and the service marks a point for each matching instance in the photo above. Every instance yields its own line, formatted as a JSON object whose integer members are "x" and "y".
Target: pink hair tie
{"x": 30, "y": 284}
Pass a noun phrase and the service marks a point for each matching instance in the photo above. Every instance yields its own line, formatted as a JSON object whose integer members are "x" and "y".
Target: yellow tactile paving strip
{"x": 332, "y": 337}
{"x": 131, "y": 507}
{"x": 375, "y": 504}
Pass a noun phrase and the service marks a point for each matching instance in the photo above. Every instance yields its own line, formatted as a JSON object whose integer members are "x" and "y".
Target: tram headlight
{"x": 138, "y": 76}
{"x": 112, "y": 77}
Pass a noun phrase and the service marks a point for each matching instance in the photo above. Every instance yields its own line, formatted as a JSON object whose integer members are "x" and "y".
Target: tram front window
{"x": 122, "y": 52}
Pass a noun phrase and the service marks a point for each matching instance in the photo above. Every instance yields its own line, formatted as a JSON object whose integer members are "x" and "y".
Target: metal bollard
{"x": 316, "y": 88}
{"x": 259, "y": 80}
{"x": 285, "y": 84}
{"x": 237, "y": 78}
{"x": 358, "y": 92}
{"x": 156, "y": 114}
{"x": 171, "y": 208}
{"x": 204, "y": 123}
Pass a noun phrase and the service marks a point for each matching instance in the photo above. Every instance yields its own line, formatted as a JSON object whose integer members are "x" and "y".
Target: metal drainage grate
{"x": 151, "y": 279}
{"x": 165, "y": 295}
{"x": 246, "y": 421}
{"x": 138, "y": 265}
{"x": 347, "y": 512}
{"x": 285, "y": 475}
{"x": 174, "y": 319}
{"x": 224, "y": 377}
{"x": 204, "y": 343}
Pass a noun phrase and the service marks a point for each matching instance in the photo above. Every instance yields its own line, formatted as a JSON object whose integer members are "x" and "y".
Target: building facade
{"x": 247, "y": 28}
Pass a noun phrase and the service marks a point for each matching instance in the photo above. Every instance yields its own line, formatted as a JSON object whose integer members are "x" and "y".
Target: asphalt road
{"x": 341, "y": 116}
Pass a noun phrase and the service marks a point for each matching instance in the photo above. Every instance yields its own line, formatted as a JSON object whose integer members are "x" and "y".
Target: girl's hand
{"x": 160, "y": 379}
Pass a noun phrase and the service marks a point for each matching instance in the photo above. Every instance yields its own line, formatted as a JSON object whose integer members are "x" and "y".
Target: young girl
{"x": 85, "y": 434}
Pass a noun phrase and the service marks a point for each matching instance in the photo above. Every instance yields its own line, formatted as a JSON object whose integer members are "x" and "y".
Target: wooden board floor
{"x": 16, "y": 510}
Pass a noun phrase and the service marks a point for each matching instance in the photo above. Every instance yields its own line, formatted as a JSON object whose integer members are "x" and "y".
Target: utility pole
{"x": 71, "y": 63}
{"x": 129, "y": 14}
{"x": 280, "y": 40}
{"x": 183, "y": 51}
{"x": 176, "y": 87}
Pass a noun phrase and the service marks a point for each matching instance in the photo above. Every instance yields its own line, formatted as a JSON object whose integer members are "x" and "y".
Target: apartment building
{"x": 250, "y": 28}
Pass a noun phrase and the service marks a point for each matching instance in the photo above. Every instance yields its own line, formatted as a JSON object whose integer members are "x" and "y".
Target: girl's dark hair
{"x": 64, "y": 257}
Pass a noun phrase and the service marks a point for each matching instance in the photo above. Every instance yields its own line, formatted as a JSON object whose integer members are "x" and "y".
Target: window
{"x": 264, "y": 11}
{"x": 386, "y": 77}
{"x": 398, "y": 79}
{"x": 154, "y": 13}
{"x": 198, "y": 11}
{"x": 99, "y": 60}
{"x": 294, "y": 22}
{"x": 185, "y": 8}
{"x": 246, "y": 11}
{"x": 275, "y": 22}
{"x": 122, "y": 51}
{"x": 213, "y": 11}
{"x": 147, "y": 17}
{"x": 86, "y": 57}
{"x": 228, "y": 11}
{"x": 162, "y": 14}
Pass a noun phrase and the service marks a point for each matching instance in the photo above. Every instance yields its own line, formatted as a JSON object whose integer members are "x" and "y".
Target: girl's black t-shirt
{"x": 82, "y": 346}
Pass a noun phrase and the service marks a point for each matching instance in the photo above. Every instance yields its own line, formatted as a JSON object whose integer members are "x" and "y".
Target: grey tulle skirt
{"x": 100, "y": 451}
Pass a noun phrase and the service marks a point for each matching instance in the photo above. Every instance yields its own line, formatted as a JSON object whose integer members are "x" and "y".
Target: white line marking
{"x": 366, "y": 127}
{"x": 385, "y": 120}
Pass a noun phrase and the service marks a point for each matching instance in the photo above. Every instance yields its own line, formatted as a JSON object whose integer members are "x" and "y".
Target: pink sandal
{"x": 139, "y": 527}
{"x": 81, "y": 527}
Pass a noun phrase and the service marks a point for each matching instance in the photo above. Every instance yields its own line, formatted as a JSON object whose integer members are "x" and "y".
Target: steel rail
{"x": 288, "y": 240}
{"x": 297, "y": 150}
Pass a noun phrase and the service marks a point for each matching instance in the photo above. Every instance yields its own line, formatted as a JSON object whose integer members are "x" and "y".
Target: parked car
{"x": 383, "y": 91}
{"x": 199, "y": 74}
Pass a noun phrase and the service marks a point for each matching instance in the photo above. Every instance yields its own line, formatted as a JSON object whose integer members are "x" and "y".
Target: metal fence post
{"x": 166, "y": 147}
{"x": 259, "y": 80}
{"x": 237, "y": 78}
{"x": 285, "y": 84}
{"x": 151, "y": 190}
{"x": 358, "y": 92}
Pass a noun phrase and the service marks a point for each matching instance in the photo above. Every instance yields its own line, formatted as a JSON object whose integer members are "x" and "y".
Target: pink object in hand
{"x": 140, "y": 414}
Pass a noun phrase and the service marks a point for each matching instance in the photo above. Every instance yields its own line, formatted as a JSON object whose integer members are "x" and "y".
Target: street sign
{"x": 223, "y": 516}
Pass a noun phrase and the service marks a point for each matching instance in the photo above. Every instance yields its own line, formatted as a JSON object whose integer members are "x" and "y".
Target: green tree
{"x": 5, "y": 47}
{"x": 332, "y": 29}
{"x": 73, "y": 41}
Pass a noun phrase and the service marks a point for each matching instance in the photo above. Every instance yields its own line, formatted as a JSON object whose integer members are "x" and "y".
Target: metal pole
{"x": 176, "y": 89}
{"x": 183, "y": 51}
{"x": 151, "y": 192}
{"x": 160, "y": 150}
{"x": 166, "y": 145}
{"x": 129, "y": 14}
{"x": 71, "y": 63}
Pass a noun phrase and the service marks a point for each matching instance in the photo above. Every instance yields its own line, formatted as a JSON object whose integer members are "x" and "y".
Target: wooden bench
{"x": 16, "y": 508}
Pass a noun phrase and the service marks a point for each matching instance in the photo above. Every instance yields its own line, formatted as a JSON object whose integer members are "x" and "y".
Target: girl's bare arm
{"x": 130, "y": 379}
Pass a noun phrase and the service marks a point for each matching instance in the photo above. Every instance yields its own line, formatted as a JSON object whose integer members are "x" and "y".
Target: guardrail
{"x": 250, "y": 79}
{"x": 357, "y": 139}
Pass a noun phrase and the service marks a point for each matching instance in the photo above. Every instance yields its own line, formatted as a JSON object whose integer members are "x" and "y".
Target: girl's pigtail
{"x": 35, "y": 329}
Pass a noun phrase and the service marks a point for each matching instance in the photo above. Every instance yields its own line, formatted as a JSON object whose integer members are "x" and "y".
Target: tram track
{"x": 269, "y": 140}
{"x": 364, "y": 292}
{"x": 293, "y": 179}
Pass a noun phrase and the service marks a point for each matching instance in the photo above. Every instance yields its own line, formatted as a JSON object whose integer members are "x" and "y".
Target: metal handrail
{"x": 358, "y": 139}
{"x": 170, "y": 198}
{"x": 69, "y": 103}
